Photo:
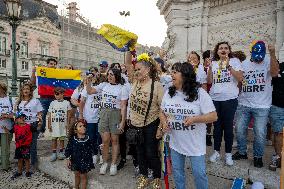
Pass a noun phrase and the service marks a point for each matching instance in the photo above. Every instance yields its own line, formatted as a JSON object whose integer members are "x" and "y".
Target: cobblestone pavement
{"x": 38, "y": 180}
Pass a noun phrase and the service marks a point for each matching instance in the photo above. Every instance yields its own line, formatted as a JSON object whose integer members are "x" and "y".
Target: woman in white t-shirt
{"x": 201, "y": 76}
{"x": 185, "y": 110}
{"x": 112, "y": 115}
{"x": 32, "y": 108}
{"x": 224, "y": 73}
{"x": 6, "y": 113}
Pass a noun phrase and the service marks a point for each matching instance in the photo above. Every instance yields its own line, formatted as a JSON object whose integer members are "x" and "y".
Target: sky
{"x": 144, "y": 20}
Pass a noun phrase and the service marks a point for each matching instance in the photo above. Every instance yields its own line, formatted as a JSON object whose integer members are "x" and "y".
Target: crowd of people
{"x": 129, "y": 108}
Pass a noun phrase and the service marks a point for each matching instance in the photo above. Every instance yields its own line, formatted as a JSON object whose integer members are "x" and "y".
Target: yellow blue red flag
{"x": 49, "y": 78}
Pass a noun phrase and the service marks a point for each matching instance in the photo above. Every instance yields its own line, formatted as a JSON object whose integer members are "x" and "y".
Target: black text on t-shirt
{"x": 254, "y": 81}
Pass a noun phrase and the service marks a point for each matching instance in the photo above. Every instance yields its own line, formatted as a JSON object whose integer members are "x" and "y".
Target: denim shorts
{"x": 277, "y": 118}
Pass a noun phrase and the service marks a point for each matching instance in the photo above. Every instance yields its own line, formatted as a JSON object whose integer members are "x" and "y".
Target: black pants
{"x": 147, "y": 152}
{"x": 226, "y": 113}
{"x": 123, "y": 148}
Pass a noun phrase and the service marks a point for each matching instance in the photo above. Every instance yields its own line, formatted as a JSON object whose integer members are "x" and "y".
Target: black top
{"x": 80, "y": 151}
{"x": 278, "y": 88}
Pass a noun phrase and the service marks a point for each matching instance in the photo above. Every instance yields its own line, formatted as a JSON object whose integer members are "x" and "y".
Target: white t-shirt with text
{"x": 5, "y": 108}
{"x": 187, "y": 140}
{"x": 257, "y": 89}
{"x": 30, "y": 109}
{"x": 92, "y": 105}
{"x": 112, "y": 95}
{"x": 58, "y": 111}
{"x": 201, "y": 76}
{"x": 224, "y": 85}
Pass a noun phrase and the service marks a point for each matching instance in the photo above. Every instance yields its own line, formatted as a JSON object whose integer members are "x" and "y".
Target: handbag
{"x": 134, "y": 135}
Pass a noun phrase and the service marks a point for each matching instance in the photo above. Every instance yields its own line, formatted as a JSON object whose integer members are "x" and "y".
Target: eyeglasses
{"x": 56, "y": 93}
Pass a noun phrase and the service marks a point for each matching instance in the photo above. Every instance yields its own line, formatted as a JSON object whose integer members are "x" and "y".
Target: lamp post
{"x": 13, "y": 10}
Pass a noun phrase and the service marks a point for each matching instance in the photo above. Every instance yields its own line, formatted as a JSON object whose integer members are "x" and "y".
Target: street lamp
{"x": 14, "y": 9}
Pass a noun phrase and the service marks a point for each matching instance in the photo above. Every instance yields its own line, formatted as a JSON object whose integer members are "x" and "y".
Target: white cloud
{"x": 145, "y": 19}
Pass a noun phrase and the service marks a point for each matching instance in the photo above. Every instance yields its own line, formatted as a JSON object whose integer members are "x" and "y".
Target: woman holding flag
{"x": 185, "y": 110}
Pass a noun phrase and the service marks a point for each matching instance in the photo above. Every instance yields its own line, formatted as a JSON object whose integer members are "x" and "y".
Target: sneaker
{"x": 28, "y": 174}
{"x": 150, "y": 174}
{"x": 215, "y": 157}
{"x": 95, "y": 159}
{"x": 101, "y": 160}
{"x": 257, "y": 162}
{"x": 136, "y": 171}
{"x": 53, "y": 157}
{"x": 16, "y": 175}
{"x": 275, "y": 163}
{"x": 40, "y": 135}
{"x": 103, "y": 169}
{"x": 129, "y": 157}
{"x": 113, "y": 170}
{"x": 238, "y": 156}
{"x": 229, "y": 160}
{"x": 61, "y": 156}
{"x": 121, "y": 164}
{"x": 208, "y": 140}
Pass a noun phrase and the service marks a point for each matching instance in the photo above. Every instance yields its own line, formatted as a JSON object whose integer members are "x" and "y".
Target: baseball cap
{"x": 19, "y": 114}
{"x": 104, "y": 63}
{"x": 258, "y": 51}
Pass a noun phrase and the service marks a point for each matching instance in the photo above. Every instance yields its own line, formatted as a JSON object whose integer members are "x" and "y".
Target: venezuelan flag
{"x": 118, "y": 38}
{"x": 49, "y": 78}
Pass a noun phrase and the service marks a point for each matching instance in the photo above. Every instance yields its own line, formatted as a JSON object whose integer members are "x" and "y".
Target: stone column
{"x": 280, "y": 29}
{"x": 184, "y": 19}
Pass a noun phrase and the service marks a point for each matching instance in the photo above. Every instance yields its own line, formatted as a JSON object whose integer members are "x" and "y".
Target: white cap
{"x": 257, "y": 185}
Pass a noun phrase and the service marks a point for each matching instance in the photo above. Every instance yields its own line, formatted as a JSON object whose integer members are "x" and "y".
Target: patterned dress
{"x": 80, "y": 151}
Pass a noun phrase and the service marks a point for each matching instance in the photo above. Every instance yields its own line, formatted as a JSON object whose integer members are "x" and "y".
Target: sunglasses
{"x": 57, "y": 93}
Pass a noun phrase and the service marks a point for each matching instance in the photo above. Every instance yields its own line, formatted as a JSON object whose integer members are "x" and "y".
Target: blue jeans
{"x": 92, "y": 132}
{"x": 198, "y": 166}
{"x": 45, "y": 102}
{"x": 243, "y": 117}
{"x": 277, "y": 118}
{"x": 34, "y": 148}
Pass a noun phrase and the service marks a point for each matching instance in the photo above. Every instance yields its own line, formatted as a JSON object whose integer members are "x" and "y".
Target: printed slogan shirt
{"x": 111, "y": 95}
{"x": 5, "y": 108}
{"x": 92, "y": 105}
{"x": 30, "y": 109}
{"x": 139, "y": 100}
{"x": 58, "y": 111}
{"x": 256, "y": 89}
{"x": 224, "y": 85}
{"x": 187, "y": 140}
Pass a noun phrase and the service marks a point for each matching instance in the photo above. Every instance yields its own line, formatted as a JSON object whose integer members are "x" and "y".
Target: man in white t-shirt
{"x": 255, "y": 100}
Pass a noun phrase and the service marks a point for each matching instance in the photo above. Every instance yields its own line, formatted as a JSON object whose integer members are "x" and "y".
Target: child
{"x": 6, "y": 114}
{"x": 58, "y": 119}
{"x": 23, "y": 137}
{"x": 79, "y": 152}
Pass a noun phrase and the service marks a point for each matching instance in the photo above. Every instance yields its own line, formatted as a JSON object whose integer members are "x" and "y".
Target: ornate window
{"x": 3, "y": 63}
{"x": 25, "y": 65}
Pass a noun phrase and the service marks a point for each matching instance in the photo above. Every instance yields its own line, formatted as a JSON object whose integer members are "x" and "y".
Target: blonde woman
{"x": 32, "y": 108}
{"x": 145, "y": 101}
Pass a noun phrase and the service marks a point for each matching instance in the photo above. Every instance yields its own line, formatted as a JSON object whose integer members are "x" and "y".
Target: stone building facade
{"x": 38, "y": 38}
{"x": 200, "y": 24}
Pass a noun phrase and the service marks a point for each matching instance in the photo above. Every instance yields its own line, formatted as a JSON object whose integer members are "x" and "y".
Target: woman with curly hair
{"x": 185, "y": 110}
{"x": 224, "y": 73}
{"x": 145, "y": 101}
